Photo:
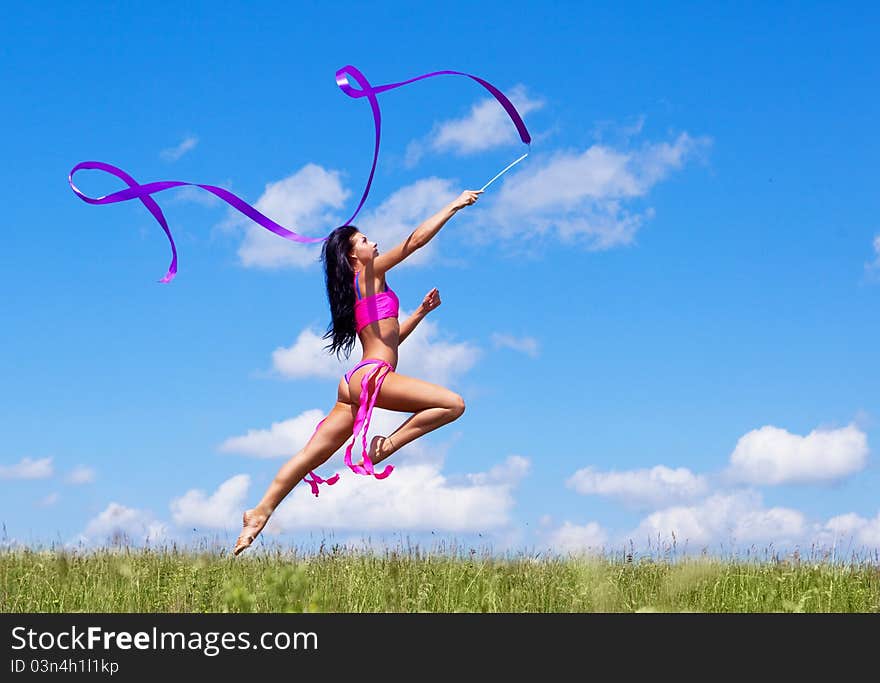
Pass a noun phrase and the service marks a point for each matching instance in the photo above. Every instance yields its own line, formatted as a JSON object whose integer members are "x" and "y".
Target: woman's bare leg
{"x": 335, "y": 430}
{"x": 324, "y": 443}
{"x": 433, "y": 406}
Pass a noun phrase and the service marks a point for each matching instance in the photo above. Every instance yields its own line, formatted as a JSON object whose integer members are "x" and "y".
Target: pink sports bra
{"x": 376, "y": 307}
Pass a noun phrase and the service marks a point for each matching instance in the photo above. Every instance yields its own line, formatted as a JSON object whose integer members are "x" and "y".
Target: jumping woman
{"x": 363, "y": 306}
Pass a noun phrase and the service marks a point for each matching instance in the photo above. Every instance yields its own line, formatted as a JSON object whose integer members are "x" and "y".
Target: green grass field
{"x": 410, "y": 580}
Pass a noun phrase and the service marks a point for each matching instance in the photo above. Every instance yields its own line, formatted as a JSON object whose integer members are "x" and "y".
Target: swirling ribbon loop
{"x": 368, "y": 91}
{"x": 144, "y": 192}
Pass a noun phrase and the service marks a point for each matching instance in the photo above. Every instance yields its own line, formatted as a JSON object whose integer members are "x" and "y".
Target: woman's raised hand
{"x": 431, "y": 301}
{"x": 466, "y": 198}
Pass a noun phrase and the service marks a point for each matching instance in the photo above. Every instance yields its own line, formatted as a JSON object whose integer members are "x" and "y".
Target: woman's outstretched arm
{"x": 429, "y": 303}
{"x": 426, "y": 231}
{"x": 423, "y": 234}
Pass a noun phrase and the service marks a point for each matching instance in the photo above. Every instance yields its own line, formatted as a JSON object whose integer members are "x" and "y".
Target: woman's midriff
{"x": 381, "y": 343}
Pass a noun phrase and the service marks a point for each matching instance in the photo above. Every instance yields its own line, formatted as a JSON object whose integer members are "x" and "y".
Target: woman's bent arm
{"x": 408, "y": 325}
{"x": 429, "y": 303}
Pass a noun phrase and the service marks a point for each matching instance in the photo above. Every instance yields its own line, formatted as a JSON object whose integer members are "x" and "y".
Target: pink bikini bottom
{"x": 361, "y": 423}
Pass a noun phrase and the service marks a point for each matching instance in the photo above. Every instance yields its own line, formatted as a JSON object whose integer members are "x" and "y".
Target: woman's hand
{"x": 466, "y": 198}
{"x": 430, "y": 302}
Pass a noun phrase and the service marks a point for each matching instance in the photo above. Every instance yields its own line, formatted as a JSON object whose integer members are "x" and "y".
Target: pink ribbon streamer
{"x": 367, "y": 401}
{"x": 315, "y": 479}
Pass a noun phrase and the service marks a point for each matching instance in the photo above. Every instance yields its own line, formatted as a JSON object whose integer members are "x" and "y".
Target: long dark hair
{"x": 339, "y": 276}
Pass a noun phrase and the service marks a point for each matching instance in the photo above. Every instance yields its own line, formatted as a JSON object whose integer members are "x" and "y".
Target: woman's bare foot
{"x": 380, "y": 448}
{"x": 253, "y": 523}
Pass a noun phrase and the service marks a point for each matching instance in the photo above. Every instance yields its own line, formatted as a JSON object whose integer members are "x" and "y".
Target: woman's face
{"x": 362, "y": 249}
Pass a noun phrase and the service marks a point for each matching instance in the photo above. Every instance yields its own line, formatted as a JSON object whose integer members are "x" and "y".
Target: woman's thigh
{"x": 335, "y": 429}
{"x": 406, "y": 394}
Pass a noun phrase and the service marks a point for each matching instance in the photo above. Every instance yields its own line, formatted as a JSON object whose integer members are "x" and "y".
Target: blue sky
{"x": 664, "y": 320}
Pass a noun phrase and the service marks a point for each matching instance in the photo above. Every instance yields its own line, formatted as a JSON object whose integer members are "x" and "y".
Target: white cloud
{"x": 283, "y": 438}
{"x": 221, "y": 510}
{"x": 657, "y": 486}
{"x": 174, "y": 153}
{"x": 514, "y": 468}
{"x": 770, "y": 455}
{"x": 581, "y": 196}
{"x": 486, "y": 126}
{"x": 416, "y": 497}
{"x": 402, "y": 212}
{"x": 619, "y": 131}
{"x": 81, "y": 475}
{"x": 571, "y": 538}
{"x": 27, "y": 469}
{"x": 302, "y": 202}
{"x": 875, "y": 264}
{"x": 567, "y": 178}
{"x": 851, "y": 528}
{"x": 430, "y": 355}
{"x": 425, "y": 354}
{"x": 196, "y": 195}
{"x": 118, "y": 521}
{"x": 527, "y": 345}
{"x": 772, "y": 524}
{"x": 307, "y": 357}
{"x": 739, "y": 517}
{"x": 49, "y": 500}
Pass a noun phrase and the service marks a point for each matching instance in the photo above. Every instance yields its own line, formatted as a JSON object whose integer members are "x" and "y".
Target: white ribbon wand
{"x": 504, "y": 171}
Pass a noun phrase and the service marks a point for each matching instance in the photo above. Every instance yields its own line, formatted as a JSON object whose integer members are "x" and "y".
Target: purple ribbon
{"x": 368, "y": 91}
{"x": 144, "y": 192}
